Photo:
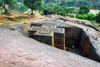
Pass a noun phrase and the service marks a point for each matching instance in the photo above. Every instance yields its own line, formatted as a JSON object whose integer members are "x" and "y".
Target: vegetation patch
{"x": 5, "y": 19}
{"x": 18, "y": 19}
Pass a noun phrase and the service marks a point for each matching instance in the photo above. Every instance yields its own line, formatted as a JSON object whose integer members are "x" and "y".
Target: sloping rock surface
{"x": 17, "y": 50}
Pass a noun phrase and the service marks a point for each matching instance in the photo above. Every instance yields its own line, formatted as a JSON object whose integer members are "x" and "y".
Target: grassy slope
{"x": 17, "y": 17}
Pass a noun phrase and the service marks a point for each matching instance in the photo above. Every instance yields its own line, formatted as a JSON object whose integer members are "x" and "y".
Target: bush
{"x": 85, "y": 16}
{"x": 98, "y": 18}
{"x": 72, "y": 16}
{"x": 62, "y": 13}
{"x": 51, "y": 12}
{"x": 45, "y": 11}
{"x": 25, "y": 23}
{"x": 82, "y": 16}
{"x": 79, "y": 16}
{"x": 91, "y": 17}
{"x": 67, "y": 14}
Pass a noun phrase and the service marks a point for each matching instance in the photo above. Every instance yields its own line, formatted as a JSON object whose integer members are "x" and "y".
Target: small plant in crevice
{"x": 97, "y": 39}
{"x": 25, "y": 23}
{"x": 87, "y": 36}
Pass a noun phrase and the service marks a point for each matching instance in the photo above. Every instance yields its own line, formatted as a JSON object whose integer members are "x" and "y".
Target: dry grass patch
{"x": 13, "y": 19}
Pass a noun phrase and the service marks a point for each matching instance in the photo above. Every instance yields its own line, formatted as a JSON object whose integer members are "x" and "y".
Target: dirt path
{"x": 33, "y": 20}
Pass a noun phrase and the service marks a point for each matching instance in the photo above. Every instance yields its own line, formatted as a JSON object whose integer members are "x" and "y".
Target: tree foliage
{"x": 62, "y": 13}
{"x": 69, "y": 10}
{"x": 82, "y": 11}
{"x": 86, "y": 8}
{"x": 91, "y": 17}
{"x": 82, "y": 16}
{"x": 98, "y": 18}
{"x": 52, "y": 8}
{"x": 33, "y": 4}
{"x": 21, "y": 7}
{"x": 11, "y": 4}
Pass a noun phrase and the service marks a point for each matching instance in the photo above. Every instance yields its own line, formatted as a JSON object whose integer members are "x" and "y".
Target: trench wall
{"x": 86, "y": 48}
{"x": 72, "y": 36}
{"x": 77, "y": 37}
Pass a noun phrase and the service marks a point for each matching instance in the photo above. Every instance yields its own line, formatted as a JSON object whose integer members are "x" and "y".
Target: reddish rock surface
{"x": 17, "y": 50}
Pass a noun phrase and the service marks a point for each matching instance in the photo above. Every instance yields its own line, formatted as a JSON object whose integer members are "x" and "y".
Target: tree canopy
{"x": 85, "y": 8}
{"x": 33, "y": 4}
{"x": 10, "y": 3}
{"x": 51, "y": 8}
{"x": 98, "y": 18}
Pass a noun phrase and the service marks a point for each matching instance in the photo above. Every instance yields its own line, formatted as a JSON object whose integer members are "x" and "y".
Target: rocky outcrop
{"x": 17, "y": 50}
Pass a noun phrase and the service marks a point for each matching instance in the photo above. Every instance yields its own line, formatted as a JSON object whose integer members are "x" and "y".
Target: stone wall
{"x": 72, "y": 36}
{"x": 86, "y": 48}
{"x": 59, "y": 40}
{"x": 44, "y": 39}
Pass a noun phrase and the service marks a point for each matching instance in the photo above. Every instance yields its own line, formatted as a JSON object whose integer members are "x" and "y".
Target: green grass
{"x": 94, "y": 22}
{"x": 18, "y": 19}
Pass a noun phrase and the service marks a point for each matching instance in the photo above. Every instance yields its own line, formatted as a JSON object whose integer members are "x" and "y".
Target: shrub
{"x": 72, "y": 16}
{"x": 91, "y": 17}
{"x": 79, "y": 16}
{"x": 98, "y": 18}
{"x": 45, "y": 11}
{"x": 25, "y": 23}
{"x": 62, "y": 13}
{"x": 82, "y": 16}
{"x": 51, "y": 12}
{"x": 67, "y": 14}
{"x": 85, "y": 15}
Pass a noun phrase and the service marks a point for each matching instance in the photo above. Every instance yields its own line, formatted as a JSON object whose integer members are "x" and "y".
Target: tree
{"x": 21, "y": 7}
{"x": 52, "y": 8}
{"x": 10, "y": 3}
{"x": 98, "y": 18}
{"x": 62, "y": 13}
{"x": 69, "y": 10}
{"x": 45, "y": 11}
{"x": 86, "y": 8}
{"x": 82, "y": 11}
{"x": 33, "y": 4}
{"x": 20, "y": 0}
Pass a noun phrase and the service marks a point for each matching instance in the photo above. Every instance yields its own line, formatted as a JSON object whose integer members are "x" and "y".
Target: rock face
{"x": 86, "y": 38}
{"x": 17, "y": 50}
